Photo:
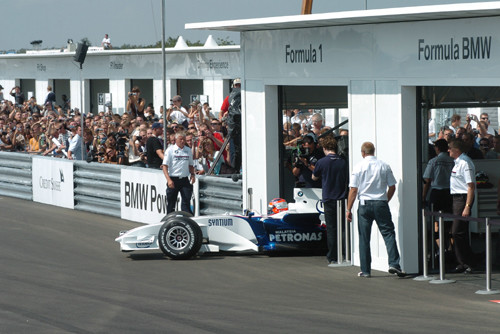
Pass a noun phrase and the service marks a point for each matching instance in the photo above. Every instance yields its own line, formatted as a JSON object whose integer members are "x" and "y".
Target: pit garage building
{"x": 388, "y": 67}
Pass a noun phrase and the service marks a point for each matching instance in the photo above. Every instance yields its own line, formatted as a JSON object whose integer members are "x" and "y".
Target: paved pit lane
{"x": 62, "y": 272}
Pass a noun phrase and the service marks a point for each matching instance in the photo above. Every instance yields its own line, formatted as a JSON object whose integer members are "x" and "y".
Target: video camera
{"x": 122, "y": 138}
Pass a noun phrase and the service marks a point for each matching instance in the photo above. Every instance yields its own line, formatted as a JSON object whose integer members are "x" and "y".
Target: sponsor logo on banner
{"x": 52, "y": 181}
{"x": 143, "y": 195}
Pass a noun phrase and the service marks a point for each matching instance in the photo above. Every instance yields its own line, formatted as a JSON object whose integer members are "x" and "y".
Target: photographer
{"x": 305, "y": 160}
{"x": 121, "y": 148}
{"x": 5, "y": 142}
{"x": 18, "y": 96}
{"x": 177, "y": 112}
{"x": 136, "y": 156}
{"x": 195, "y": 113}
{"x": 135, "y": 103}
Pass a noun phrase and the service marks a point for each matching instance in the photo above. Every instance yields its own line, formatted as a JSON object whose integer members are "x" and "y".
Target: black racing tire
{"x": 177, "y": 214}
{"x": 180, "y": 238}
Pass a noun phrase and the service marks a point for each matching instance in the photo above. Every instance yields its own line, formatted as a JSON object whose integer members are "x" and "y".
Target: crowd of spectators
{"x": 55, "y": 130}
{"x": 301, "y": 132}
{"x": 480, "y": 139}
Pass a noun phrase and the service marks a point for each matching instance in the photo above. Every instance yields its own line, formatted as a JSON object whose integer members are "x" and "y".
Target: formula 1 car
{"x": 181, "y": 236}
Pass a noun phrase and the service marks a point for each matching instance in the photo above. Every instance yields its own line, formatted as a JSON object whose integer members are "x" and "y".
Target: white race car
{"x": 181, "y": 236}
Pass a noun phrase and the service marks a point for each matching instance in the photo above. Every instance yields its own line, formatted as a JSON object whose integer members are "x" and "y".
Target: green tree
{"x": 225, "y": 41}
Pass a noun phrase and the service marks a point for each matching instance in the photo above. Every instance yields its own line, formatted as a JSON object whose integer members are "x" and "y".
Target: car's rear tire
{"x": 177, "y": 214}
{"x": 180, "y": 238}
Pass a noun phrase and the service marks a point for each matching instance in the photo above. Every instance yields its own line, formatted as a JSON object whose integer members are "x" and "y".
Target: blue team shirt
{"x": 332, "y": 170}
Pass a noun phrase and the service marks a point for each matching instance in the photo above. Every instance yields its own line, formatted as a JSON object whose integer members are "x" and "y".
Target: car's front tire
{"x": 180, "y": 238}
{"x": 177, "y": 214}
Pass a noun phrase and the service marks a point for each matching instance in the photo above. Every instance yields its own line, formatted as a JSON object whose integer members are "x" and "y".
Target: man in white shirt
{"x": 178, "y": 168}
{"x": 76, "y": 145}
{"x": 106, "y": 42}
{"x": 462, "y": 186}
{"x": 374, "y": 184}
{"x": 177, "y": 113}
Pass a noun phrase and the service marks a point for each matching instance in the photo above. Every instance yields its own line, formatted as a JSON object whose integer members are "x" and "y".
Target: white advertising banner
{"x": 143, "y": 195}
{"x": 53, "y": 182}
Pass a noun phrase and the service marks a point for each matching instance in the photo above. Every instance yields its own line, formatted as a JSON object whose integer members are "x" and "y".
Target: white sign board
{"x": 53, "y": 182}
{"x": 143, "y": 195}
{"x": 429, "y": 49}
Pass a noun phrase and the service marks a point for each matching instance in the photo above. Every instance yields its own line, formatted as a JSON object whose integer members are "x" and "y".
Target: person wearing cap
{"x": 462, "y": 187}
{"x": 304, "y": 166}
{"x": 177, "y": 112}
{"x": 225, "y": 104}
{"x": 154, "y": 147}
{"x": 373, "y": 183}
{"x": 437, "y": 179}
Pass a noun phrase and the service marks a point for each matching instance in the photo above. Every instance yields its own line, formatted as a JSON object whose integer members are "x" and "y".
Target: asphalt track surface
{"x": 62, "y": 272}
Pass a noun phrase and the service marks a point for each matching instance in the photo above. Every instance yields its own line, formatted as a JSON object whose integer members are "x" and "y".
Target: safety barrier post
{"x": 442, "y": 269}
{"x": 347, "y": 237}
{"x": 425, "y": 277}
{"x": 488, "y": 290}
{"x": 340, "y": 256}
{"x": 433, "y": 242}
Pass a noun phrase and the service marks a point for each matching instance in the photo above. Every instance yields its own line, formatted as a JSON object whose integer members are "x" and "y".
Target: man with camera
{"x": 18, "y": 96}
{"x": 305, "y": 160}
{"x": 135, "y": 103}
{"x": 177, "y": 112}
{"x": 136, "y": 155}
{"x": 122, "y": 147}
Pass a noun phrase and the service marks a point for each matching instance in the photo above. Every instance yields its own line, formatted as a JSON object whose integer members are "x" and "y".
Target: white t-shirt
{"x": 178, "y": 161}
{"x": 106, "y": 42}
{"x": 178, "y": 116}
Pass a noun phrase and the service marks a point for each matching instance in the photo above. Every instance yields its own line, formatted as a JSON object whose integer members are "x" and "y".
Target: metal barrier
{"x": 220, "y": 195}
{"x": 97, "y": 188}
{"x": 15, "y": 175}
{"x": 442, "y": 279}
{"x": 343, "y": 237}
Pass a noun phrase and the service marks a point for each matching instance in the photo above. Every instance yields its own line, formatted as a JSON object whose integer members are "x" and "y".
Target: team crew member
{"x": 462, "y": 186}
{"x": 437, "y": 177}
{"x": 374, "y": 184}
{"x": 178, "y": 167}
{"x": 332, "y": 170}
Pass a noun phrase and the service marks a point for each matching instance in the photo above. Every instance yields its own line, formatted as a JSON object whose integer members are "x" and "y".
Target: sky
{"x": 138, "y": 22}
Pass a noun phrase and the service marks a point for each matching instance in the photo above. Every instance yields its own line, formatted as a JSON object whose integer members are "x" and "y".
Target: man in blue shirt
{"x": 332, "y": 170}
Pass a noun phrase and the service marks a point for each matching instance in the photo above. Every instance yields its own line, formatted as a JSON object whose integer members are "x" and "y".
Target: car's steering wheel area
{"x": 319, "y": 206}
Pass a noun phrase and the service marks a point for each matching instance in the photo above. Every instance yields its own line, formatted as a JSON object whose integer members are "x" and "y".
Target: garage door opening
{"x": 470, "y": 113}
{"x": 298, "y": 106}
